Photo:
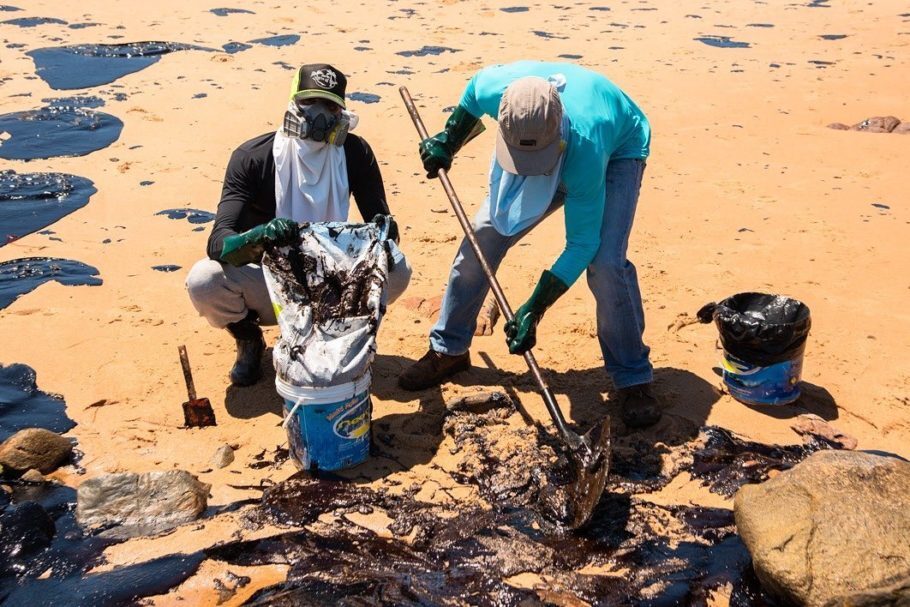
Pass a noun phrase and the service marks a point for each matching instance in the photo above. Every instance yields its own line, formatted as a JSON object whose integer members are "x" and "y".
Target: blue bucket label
{"x": 330, "y": 436}
{"x": 354, "y": 421}
{"x": 776, "y": 384}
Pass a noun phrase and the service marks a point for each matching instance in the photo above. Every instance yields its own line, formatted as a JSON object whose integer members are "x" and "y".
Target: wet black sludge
{"x": 31, "y": 201}
{"x": 722, "y": 42}
{"x": 428, "y": 50}
{"x": 194, "y": 216}
{"x": 21, "y": 276}
{"x": 166, "y": 268}
{"x": 726, "y": 462}
{"x": 23, "y": 405}
{"x": 364, "y": 97}
{"x": 235, "y": 47}
{"x": 86, "y": 65}
{"x": 64, "y": 127}
{"x": 632, "y": 551}
{"x": 34, "y": 21}
{"x": 284, "y": 40}
{"x": 224, "y": 12}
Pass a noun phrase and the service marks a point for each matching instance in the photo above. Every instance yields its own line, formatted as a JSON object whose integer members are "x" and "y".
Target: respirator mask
{"x": 315, "y": 122}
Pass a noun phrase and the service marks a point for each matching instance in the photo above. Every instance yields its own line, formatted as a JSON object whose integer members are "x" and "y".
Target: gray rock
{"x": 35, "y": 448}
{"x": 834, "y": 526}
{"x": 153, "y": 502}
{"x": 877, "y": 124}
{"x": 223, "y": 457}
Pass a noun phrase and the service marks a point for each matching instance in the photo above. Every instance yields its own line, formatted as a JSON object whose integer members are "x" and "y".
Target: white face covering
{"x": 311, "y": 179}
{"x": 516, "y": 202}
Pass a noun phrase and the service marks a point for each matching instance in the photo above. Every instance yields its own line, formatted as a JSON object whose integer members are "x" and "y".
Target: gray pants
{"x": 224, "y": 294}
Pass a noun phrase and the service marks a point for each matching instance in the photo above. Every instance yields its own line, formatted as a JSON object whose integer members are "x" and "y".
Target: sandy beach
{"x": 746, "y": 189}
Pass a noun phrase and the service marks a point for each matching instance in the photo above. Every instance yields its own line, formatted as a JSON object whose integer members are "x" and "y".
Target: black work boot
{"x": 250, "y": 346}
{"x": 638, "y": 406}
{"x": 432, "y": 369}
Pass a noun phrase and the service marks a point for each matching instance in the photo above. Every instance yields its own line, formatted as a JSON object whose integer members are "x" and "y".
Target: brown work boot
{"x": 432, "y": 369}
{"x": 638, "y": 406}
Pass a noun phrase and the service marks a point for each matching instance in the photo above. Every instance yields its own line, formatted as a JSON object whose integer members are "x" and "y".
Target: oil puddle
{"x": 86, "y": 65}
{"x": 166, "y": 268}
{"x": 48, "y": 556}
{"x": 194, "y": 216}
{"x": 64, "y": 127}
{"x": 34, "y": 21}
{"x": 284, "y": 40}
{"x": 31, "y": 201}
{"x": 7, "y": 8}
{"x": 224, "y": 12}
{"x": 722, "y": 42}
{"x": 364, "y": 97}
{"x": 21, "y": 276}
{"x": 632, "y": 552}
{"x": 235, "y": 47}
{"x": 833, "y": 36}
{"x": 515, "y": 9}
{"x": 506, "y": 550}
{"x": 23, "y": 405}
{"x": 548, "y": 35}
{"x": 428, "y": 50}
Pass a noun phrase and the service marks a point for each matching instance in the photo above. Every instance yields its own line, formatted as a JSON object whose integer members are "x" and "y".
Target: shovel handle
{"x": 550, "y": 400}
{"x": 187, "y": 373}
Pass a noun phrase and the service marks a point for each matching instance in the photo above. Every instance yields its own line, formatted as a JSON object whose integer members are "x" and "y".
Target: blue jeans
{"x": 611, "y": 278}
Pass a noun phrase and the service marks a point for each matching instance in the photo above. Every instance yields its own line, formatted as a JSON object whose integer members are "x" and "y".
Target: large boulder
{"x": 835, "y": 526}
{"x": 153, "y": 502}
{"x": 35, "y": 448}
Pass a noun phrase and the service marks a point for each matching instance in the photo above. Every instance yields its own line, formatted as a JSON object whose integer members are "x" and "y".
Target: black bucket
{"x": 764, "y": 338}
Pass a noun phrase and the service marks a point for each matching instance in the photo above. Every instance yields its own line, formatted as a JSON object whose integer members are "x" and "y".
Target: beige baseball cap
{"x": 530, "y": 124}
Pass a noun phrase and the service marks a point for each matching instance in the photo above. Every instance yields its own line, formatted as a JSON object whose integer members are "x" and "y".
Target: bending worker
{"x": 304, "y": 172}
{"x": 567, "y": 137}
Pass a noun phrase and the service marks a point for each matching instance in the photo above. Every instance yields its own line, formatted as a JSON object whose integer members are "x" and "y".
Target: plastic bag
{"x": 329, "y": 297}
{"x": 758, "y": 328}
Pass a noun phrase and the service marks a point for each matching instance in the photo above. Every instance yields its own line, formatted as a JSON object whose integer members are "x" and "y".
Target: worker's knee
{"x": 205, "y": 278}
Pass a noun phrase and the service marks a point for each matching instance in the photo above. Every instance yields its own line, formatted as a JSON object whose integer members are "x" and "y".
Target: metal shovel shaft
{"x": 571, "y": 438}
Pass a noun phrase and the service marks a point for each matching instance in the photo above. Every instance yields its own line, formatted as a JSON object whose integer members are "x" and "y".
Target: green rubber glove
{"x": 247, "y": 247}
{"x": 521, "y": 331}
{"x": 437, "y": 152}
{"x": 380, "y": 220}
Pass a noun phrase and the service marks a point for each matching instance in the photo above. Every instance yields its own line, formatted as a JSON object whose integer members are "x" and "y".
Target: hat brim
{"x": 527, "y": 162}
{"x": 319, "y": 94}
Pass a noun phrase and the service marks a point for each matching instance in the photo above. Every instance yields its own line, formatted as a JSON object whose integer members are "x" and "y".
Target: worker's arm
{"x": 237, "y": 192}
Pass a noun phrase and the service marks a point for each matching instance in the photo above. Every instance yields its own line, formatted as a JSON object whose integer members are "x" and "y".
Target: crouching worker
{"x": 304, "y": 172}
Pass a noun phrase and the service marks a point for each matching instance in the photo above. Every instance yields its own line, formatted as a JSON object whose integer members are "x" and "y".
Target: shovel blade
{"x": 198, "y": 413}
{"x": 572, "y": 502}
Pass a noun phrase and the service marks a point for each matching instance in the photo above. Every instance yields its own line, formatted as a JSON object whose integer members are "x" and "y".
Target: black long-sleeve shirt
{"x": 248, "y": 194}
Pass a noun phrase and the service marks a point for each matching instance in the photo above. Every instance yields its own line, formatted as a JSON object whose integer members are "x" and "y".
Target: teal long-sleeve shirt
{"x": 605, "y": 124}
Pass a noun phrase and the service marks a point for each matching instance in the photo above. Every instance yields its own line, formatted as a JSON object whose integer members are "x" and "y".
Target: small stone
{"x": 26, "y": 529}
{"x": 33, "y": 476}
{"x": 35, "y": 448}
{"x": 223, "y": 457}
{"x": 877, "y": 124}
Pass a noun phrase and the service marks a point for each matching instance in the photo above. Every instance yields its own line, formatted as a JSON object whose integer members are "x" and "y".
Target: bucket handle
{"x": 287, "y": 418}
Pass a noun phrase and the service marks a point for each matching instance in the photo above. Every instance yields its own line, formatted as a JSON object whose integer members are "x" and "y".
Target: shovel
{"x": 589, "y": 454}
{"x": 197, "y": 412}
